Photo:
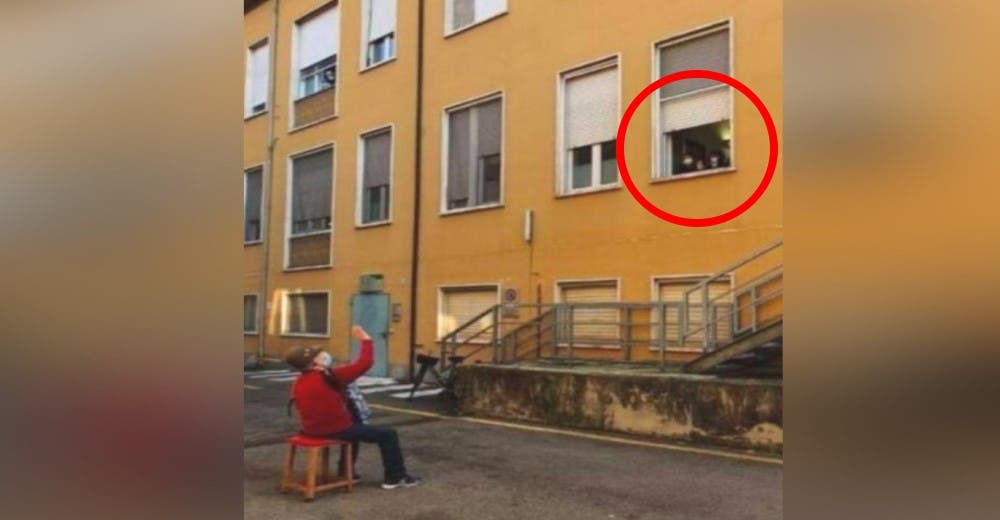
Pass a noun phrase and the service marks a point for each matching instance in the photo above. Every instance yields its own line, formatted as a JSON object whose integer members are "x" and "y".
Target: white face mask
{"x": 323, "y": 359}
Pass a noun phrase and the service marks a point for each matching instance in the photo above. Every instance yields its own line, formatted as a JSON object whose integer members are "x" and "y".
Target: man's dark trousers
{"x": 388, "y": 442}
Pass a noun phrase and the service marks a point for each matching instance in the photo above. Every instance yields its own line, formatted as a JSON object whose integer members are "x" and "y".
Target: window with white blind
{"x": 249, "y": 313}
{"x": 592, "y": 325}
{"x": 253, "y": 184}
{"x": 255, "y": 86}
{"x": 305, "y": 314}
{"x": 720, "y": 311}
{"x": 458, "y": 305}
{"x": 310, "y": 201}
{"x": 317, "y": 42}
{"x": 375, "y": 182}
{"x": 460, "y": 14}
{"x": 695, "y": 115}
{"x": 378, "y": 31}
{"x": 472, "y": 176}
{"x": 588, "y": 128}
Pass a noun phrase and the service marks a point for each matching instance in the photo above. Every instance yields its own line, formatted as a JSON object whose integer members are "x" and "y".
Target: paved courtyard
{"x": 483, "y": 471}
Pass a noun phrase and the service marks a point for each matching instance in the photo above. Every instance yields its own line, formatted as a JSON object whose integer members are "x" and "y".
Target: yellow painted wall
{"x": 599, "y": 235}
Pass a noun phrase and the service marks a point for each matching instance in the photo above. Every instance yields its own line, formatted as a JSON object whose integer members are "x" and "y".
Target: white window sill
{"x": 694, "y": 175}
{"x": 304, "y": 335}
{"x": 377, "y": 65}
{"x": 459, "y": 211}
{"x": 249, "y": 117}
{"x": 307, "y": 268}
{"x": 472, "y": 25}
{"x": 250, "y": 333}
{"x": 367, "y": 225}
{"x": 253, "y": 243}
{"x": 588, "y": 191}
{"x": 309, "y": 234}
{"x": 314, "y": 123}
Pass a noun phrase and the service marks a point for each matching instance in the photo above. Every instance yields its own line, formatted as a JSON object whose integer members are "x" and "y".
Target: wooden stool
{"x": 323, "y": 481}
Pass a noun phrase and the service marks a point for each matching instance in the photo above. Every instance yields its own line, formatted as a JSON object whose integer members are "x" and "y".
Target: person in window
{"x": 322, "y": 399}
{"x": 717, "y": 159}
{"x": 687, "y": 163}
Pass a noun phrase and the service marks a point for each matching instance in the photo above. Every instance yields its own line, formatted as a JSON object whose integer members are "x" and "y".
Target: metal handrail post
{"x": 662, "y": 336}
{"x": 704, "y": 316}
{"x": 496, "y": 330}
{"x": 569, "y": 350}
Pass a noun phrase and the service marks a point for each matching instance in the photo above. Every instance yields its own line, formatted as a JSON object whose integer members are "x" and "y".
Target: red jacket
{"x": 322, "y": 409}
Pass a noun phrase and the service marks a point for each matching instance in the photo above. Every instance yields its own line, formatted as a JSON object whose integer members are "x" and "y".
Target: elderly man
{"x": 321, "y": 398}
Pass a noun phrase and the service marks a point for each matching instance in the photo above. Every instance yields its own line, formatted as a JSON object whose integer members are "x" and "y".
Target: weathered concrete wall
{"x": 701, "y": 409}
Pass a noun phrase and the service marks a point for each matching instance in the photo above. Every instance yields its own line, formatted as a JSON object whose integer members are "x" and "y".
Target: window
{"x": 376, "y": 178}
{"x": 306, "y": 314}
{"x": 378, "y": 31}
{"x": 458, "y": 305}
{"x": 695, "y": 114}
{"x": 594, "y": 326}
{"x": 474, "y": 163}
{"x": 720, "y": 309}
{"x": 463, "y": 13}
{"x": 310, "y": 208}
{"x": 589, "y": 126}
{"x": 316, "y": 47}
{"x": 255, "y": 95}
{"x": 252, "y": 187}
{"x": 249, "y": 313}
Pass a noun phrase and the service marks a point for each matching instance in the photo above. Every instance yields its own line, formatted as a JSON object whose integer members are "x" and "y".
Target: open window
{"x": 695, "y": 115}
{"x": 378, "y": 31}
{"x": 588, "y": 127}
{"x": 314, "y": 76}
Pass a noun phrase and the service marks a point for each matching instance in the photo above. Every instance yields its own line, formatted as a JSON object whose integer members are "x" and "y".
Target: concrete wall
{"x": 700, "y": 409}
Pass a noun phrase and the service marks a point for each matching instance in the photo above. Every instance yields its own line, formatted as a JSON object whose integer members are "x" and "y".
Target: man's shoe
{"x": 405, "y": 481}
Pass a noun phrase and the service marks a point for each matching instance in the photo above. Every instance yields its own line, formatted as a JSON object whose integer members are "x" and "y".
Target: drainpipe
{"x": 265, "y": 220}
{"x": 418, "y": 141}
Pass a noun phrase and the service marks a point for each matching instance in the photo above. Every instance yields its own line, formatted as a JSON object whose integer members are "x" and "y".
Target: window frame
{"x": 256, "y": 315}
{"x": 445, "y": 141}
{"x": 263, "y": 187}
{"x": 248, "y": 112}
{"x": 293, "y": 76}
{"x": 449, "y": 6}
{"x": 657, "y": 145}
{"x": 366, "y": 40}
{"x": 284, "y": 313}
{"x": 654, "y": 283}
{"x": 442, "y": 289}
{"x": 289, "y": 174}
{"x": 360, "y": 176}
{"x": 562, "y": 175}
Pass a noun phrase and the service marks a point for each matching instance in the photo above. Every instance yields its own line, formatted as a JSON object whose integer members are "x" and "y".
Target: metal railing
{"x": 753, "y": 300}
{"x": 703, "y": 320}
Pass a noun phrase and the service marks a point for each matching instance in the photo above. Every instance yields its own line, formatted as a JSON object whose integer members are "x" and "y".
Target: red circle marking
{"x": 772, "y": 158}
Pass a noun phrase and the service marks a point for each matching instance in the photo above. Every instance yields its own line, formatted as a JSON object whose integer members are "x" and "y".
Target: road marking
{"x": 273, "y": 374}
{"x": 592, "y": 436}
{"x": 249, "y": 387}
{"x": 374, "y": 381}
{"x": 276, "y": 371}
{"x": 284, "y": 379}
{"x": 418, "y": 393}
{"x": 390, "y": 388}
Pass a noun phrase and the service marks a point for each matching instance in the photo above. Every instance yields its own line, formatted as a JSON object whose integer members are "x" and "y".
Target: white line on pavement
{"x": 418, "y": 393}
{"x": 270, "y": 374}
{"x": 389, "y": 388}
{"x": 373, "y": 381}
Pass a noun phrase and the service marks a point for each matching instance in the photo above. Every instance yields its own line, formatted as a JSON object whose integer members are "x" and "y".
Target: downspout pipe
{"x": 418, "y": 155}
{"x": 264, "y": 300}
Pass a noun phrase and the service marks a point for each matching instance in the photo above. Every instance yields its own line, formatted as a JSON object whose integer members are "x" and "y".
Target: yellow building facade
{"x": 519, "y": 195}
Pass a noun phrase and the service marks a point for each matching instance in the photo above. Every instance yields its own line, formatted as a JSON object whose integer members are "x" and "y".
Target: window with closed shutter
{"x": 589, "y": 126}
{"x": 311, "y": 201}
{"x": 306, "y": 313}
{"x": 720, "y": 307}
{"x": 591, "y": 325}
{"x": 459, "y": 305}
{"x": 257, "y": 77}
{"x": 474, "y": 155}
{"x": 249, "y": 313}
{"x": 316, "y": 46}
{"x": 694, "y": 114}
{"x": 252, "y": 188}
{"x": 379, "y": 31}
{"x": 464, "y": 13}
{"x": 375, "y": 176}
